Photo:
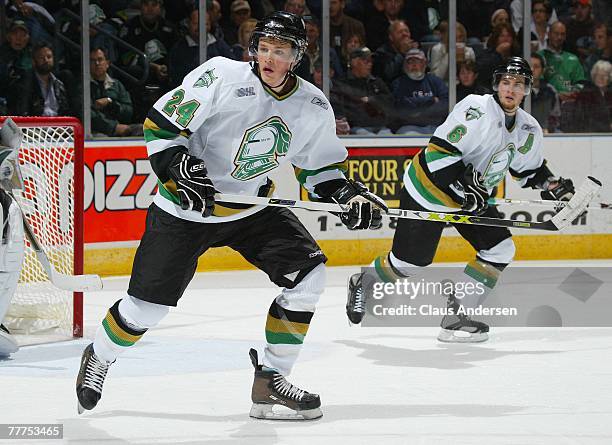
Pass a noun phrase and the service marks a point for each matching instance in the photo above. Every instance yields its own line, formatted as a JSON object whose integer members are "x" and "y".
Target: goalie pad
{"x": 12, "y": 249}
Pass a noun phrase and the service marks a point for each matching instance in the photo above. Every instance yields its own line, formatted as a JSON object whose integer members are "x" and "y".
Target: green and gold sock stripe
{"x": 483, "y": 273}
{"x": 286, "y": 327}
{"x": 384, "y": 270}
{"x": 117, "y": 330}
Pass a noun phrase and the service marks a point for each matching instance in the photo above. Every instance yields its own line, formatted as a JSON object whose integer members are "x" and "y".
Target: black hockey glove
{"x": 476, "y": 194}
{"x": 194, "y": 187}
{"x": 558, "y": 189}
{"x": 365, "y": 212}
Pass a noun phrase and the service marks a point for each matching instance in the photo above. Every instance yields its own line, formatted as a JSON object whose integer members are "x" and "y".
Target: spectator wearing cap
{"x": 545, "y": 105}
{"x": 185, "y": 55}
{"x": 341, "y": 26}
{"x": 367, "y": 98}
{"x": 111, "y": 105}
{"x": 421, "y": 99}
{"x": 15, "y": 57}
{"x": 240, "y": 12}
{"x": 39, "y": 21}
{"x": 39, "y": 92}
{"x": 579, "y": 27}
{"x": 389, "y": 57}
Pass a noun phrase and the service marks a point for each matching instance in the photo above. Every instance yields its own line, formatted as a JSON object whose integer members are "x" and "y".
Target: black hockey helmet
{"x": 517, "y": 66}
{"x": 282, "y": 26}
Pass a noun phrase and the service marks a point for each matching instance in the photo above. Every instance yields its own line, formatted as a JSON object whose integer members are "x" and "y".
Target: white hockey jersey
{"x": 243, "y": 131}
{"x": 473, "y": 133}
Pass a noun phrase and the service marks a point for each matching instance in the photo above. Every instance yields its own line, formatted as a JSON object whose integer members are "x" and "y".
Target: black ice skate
{"x": 90, "y": 379}
{"x": 459, "y": 328}
{"x": 356, "y": 299}
{"x": 8, "y": 345}
{"x": 270, "y": 390}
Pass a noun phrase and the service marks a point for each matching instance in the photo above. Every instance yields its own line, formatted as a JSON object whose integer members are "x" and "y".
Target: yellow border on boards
{"x": 111, "y": 262}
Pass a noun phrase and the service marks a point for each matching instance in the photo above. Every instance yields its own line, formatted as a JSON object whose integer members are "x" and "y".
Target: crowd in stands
{"x": 389, "y": 58}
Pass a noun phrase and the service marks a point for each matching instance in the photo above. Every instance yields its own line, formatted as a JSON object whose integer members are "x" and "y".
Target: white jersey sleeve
{"x": 181, "y": 111}
{"x": 324, "y": 157}
{"x": 529, "y": 155}
{"x": 466, "y": 125}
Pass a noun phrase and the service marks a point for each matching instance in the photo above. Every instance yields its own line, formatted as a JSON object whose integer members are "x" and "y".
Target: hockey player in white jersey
{"x": 12, "y": 243}
{"x": 224, "y": 129}
{"x": 482, "y": 139}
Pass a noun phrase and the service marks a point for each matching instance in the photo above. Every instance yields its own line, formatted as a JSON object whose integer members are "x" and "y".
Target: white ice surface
{"x": 189, "y": 379}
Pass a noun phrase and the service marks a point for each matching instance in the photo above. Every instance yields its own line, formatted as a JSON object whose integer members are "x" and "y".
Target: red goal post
{"x": 51, "y": 161}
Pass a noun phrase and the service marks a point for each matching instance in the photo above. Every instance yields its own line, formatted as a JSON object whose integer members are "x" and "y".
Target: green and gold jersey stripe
{"x": 303, "y": 174}
{"x": 153, "y": 132}
{"x": 426, "y": 187}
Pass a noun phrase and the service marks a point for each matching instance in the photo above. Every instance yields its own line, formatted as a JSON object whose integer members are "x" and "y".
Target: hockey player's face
{"x": 511, "y": 90}
{"x": 275, "y": 58}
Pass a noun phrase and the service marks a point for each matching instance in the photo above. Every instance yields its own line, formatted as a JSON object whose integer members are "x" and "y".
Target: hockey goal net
{"x": 51, "y": 161}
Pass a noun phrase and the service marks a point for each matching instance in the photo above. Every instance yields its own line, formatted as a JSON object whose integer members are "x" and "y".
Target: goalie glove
{"x": 365, "y": 207}
{"x": 558, "y": 189}
{"x": 475, "y": 193}
{"x": 195, "y": 189}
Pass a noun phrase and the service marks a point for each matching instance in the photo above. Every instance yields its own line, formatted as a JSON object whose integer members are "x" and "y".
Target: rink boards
{"x": 119, "y": 186}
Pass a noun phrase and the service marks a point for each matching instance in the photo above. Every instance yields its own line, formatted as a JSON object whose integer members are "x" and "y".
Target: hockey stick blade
{"x": 578, "y": 204}
{"x": 454, "y": 218}
{"x": 545, "y": 203}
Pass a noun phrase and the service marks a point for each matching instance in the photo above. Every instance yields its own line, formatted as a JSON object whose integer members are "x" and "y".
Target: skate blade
{"x": 453, "y": 336}
{"x": 80, "y": 408}
{"x": 279, "y": 412}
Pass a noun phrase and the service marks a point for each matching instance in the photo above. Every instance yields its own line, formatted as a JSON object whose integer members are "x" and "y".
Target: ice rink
{"x": 189, "y": 379}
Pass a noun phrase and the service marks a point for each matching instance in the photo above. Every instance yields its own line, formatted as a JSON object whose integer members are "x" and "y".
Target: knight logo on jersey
{"x": 206, "y": 79}
{"x": 261, "y": 145}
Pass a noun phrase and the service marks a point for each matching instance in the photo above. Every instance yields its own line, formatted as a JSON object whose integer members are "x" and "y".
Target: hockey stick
{"x": 75, "y": 283}
{"x": 573, "y": 208}
{"x": 547, "y": 203}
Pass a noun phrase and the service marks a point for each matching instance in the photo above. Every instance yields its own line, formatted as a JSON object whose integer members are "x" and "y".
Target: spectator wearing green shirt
{"x": 563, "y": 69}
{"x": 111, "y": 105}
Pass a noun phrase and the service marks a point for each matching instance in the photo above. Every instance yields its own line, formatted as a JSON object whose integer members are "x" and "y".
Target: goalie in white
{"x": 12, "y": 245}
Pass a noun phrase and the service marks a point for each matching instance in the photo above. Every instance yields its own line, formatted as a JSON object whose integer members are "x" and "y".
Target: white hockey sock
{"x": 125, "y": 323}
{"x": 288, "y": 321}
